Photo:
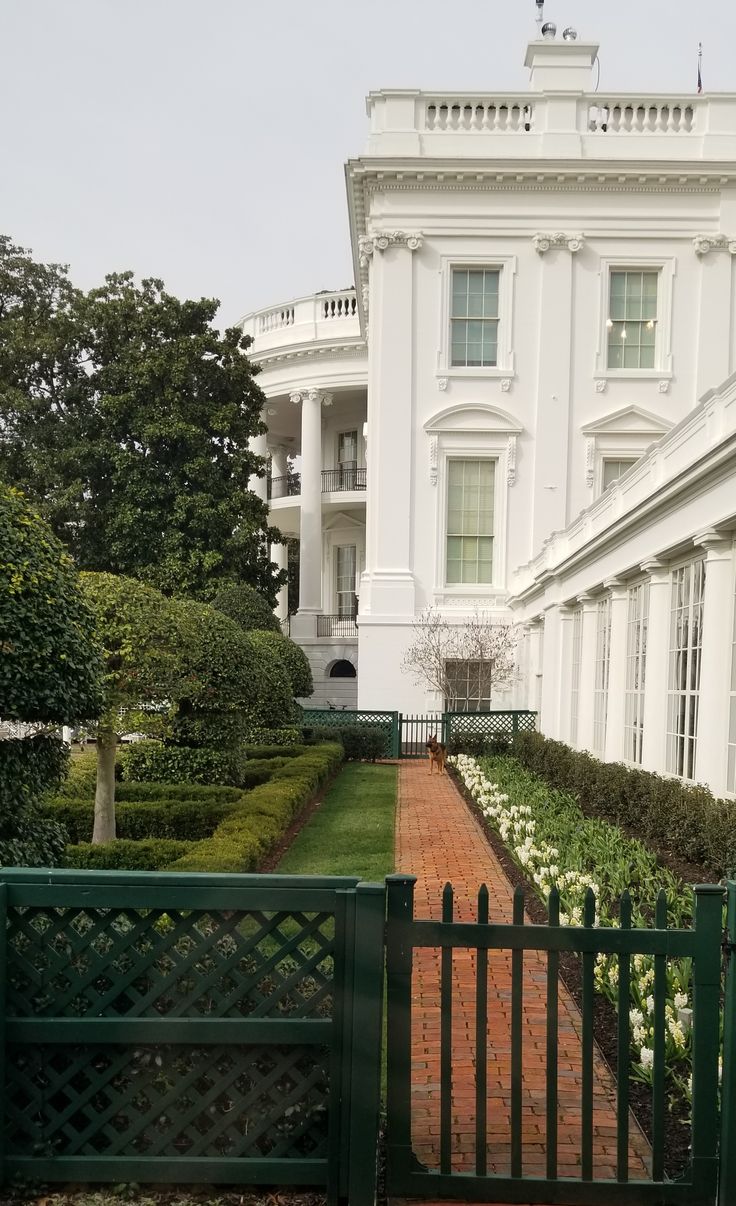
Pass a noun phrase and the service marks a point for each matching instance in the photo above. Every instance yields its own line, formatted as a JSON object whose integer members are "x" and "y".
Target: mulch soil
{"x": 605, "y": 1018}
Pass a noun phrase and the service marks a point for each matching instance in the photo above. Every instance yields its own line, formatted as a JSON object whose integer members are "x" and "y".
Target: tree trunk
{"x": 104, "y": 829}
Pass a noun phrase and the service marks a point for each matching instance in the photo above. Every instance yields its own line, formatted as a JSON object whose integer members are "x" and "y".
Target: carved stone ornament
{"x": 589, "y": 461}
{"x": 369, "y": 244}
{"x": 442, "y": 383}
{"x": 511, "y": 461}
{"x": 310, "y": 395}
{"x": 434, "y": 453}
{"x": 545, "y": 242}
{"x": 366, "y": 292}
{"x": 710, "y": 242}
{"x": 664, "y": 386}
{"x": 506, "y": 385}
{"x": 601, "y": 385}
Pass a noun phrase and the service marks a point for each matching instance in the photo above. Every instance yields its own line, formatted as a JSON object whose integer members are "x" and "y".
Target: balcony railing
{"x": 330, "y": 316}
{"x": 288, "y": 486}
{"x": 334, "y": 480}
{"x": 336, "y": 626}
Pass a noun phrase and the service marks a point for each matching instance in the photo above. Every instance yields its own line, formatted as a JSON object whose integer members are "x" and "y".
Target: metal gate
{"x": 415, "y": 730}
{"x": 189, "y": 1028}
{"x": 503, "y": 1141}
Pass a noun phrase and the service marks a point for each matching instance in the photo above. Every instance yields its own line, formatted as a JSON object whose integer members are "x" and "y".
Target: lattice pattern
{"x": 167, "y": 1101}
{"x": 489, "y": 724}
{"x": 128, "y": 962}
{"x": 334, "y": 717}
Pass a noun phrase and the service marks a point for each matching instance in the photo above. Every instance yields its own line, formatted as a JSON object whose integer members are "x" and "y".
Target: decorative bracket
{"x": 369, "y": 244}
{"x": 511, "y": 461}
{"x": 311, "y": 395}
{"x": 705, "y": 243}
{"x": 546, "y": 242}
{"x": 434, "y": 449}
{"x": 589, "y": 461}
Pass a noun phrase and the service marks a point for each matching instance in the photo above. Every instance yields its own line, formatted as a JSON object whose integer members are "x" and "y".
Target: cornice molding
{"x": 326, "y": 352}
{"x": 547, "y": 242}
{"x": 369, "y": 244}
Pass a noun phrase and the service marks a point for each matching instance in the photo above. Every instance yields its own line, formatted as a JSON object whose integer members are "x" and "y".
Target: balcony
{"x": 337, "y": 626}
{"x": 329, "y": 317}
{"x": 334, "y": 481}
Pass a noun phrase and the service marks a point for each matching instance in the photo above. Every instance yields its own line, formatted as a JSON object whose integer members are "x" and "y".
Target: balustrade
{"x": 644, "y": 117}
{"x": 337, "y": 626}
{"x": 289, "y": 485}
{"x": 513, "y": 116}
{"x": 334, "y": 480}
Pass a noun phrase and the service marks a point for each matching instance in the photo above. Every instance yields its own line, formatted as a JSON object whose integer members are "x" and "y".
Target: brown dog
{"x": 437, "y": 754}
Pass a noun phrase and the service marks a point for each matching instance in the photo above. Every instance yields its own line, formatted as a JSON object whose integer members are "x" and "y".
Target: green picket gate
{"x": 179, "y": 1028}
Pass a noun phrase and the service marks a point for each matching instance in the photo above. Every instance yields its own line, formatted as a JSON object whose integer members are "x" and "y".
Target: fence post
{"x": 514, "y": 724}
{"x": 3, "y": 1007}
{"x": 727, "y": 1160}
{"x": 445, "y": 728}
{"x": 400, "y": 913}
{"x": 706, "y": 1039}
{"x": 396, "y": 735}
{"x": 365, "y": 1096}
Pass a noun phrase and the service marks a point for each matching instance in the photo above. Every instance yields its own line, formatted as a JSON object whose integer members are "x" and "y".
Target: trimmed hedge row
{"x": 154, "y": 854}
{"x": 272, "y": 737}
{"x": 255, "y": 825}
{"x": 152, "y": 762}
{"x": 683, "y": 818}
{"x": 177, "y": 819}
{"x": 362, "y": 743}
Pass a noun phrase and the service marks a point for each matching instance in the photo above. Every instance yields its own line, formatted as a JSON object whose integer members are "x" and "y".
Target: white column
{"x": 586, "y": 698}
{"x": 715, "y": 320}
{"x": 279, "y": 469}
{"x": 617, "y": 671}
{"x": 564, "y": 673}
{"x": 310, "y": 526}
{"x": 280, "y": 555}
{"x": 259, "y": 485}
{"x": 655, "y": 671}
{"x": 535, "y": 645}
{"x": 715, "y": 661}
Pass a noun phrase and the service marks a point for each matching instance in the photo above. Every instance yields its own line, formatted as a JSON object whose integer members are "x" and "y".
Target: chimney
{"x": 556, "y": 65}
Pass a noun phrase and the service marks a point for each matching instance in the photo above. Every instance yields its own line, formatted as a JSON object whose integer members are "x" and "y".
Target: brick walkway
{"x": 438, "y": 839}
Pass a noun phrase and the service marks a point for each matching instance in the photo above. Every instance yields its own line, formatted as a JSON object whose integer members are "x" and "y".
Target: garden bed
{"x": 520, "y": 786}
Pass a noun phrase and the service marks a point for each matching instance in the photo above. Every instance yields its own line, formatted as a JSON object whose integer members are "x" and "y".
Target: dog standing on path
{"x": 437, "y": 754}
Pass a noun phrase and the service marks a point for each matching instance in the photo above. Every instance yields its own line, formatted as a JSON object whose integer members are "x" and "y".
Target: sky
{"x": 203, "y": 141}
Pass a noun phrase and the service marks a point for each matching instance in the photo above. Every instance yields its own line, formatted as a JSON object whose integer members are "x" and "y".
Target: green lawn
{"x": 352, "y": 830}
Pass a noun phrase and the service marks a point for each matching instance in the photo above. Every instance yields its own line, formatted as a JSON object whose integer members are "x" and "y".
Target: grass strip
{"x": 352, "y": 830}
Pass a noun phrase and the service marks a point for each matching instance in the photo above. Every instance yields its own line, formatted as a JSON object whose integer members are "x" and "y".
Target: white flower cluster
{"x": 517, "y": 827}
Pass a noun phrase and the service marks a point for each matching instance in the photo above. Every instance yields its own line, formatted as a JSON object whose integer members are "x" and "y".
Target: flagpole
{"x": 700, "y": 66}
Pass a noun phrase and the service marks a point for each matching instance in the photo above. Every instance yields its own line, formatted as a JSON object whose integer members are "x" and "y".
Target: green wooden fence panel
{"x": 332, "y": 718}
{"x": 407, "y": 1177}
{"x": 168, "y": 1028}
{"x": 727, "y": 1168}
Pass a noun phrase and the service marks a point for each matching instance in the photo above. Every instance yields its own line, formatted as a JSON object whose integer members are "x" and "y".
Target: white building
{"x": 545, "y": 291}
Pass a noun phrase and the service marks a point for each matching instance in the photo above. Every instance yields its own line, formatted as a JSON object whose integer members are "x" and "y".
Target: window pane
{"x": 632, "y": 320}
{"x": 470, "y": 507}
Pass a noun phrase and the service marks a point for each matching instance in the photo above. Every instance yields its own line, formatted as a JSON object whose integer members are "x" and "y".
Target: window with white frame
{"x": 474, "y": 317}
{"x": 345, "y": 563}
{"x": 731, "y": 766}
{"x": 470, "y": 518}
{"x": 685, "y": 646}
{"x": 577, "y": 656}
{"x": 632, "y": 318}
{"x": 637, "y": 624}
{"x": 602, "y": 672}
{"x": 613, "y": 468}
{"x": 468, "y": 686}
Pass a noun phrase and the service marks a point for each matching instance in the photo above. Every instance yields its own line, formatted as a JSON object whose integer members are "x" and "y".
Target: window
{"x": 577, "y": 657}
{"x": 468, "y": 686}
{"x": 347, "y": 459}
{"x": 636, "y": 661}
{"x": 632, "y": 319}
{"x": 602, "y": 671}
{"x": 614, "y": 469}
{"x": 345, "y": 583}
{"x": 474, "y": 317}
{"x": 470, "y": 509}
{"x": 686, "y": 640}
{"x": 731, "y": 767}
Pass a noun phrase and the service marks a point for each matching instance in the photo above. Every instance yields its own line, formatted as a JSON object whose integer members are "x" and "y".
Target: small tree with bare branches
{"x": 462, "y": 659}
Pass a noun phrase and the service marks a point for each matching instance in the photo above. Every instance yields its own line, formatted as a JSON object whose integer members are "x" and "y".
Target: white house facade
{"x": 525, "y": 407}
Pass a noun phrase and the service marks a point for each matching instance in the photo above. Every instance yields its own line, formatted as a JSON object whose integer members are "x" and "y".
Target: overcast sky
{"x": 203, "y": 141}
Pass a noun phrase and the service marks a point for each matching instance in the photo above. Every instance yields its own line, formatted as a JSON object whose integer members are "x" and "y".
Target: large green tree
{"x": 126, "y": 417}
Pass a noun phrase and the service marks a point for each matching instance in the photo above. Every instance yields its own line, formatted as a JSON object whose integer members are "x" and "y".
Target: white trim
{"x": 666, "y": 267}
{"x": 471, "y": 446}
{"x": 506, "y": 266}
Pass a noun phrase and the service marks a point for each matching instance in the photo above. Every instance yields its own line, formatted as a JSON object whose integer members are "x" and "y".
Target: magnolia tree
{"x": 462, "y": 660}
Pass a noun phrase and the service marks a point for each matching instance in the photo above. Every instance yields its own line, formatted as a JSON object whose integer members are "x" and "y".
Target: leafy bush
{"x": 81, "y": 777}
{"x": 274, "y": 751}
{"x": 155, "y": 854}
{"x": 247, "y": 607}
{"x": 28, "y": 768}
{"x": 272, "y": 737}
{"x": 362, "y": 743}
{"x": 291, "y": 656}
{"x": 151, "y": 761}
{"x": 256, "y": 824}
{"x": 50, "y": 668}
{"x": 676, "y": 816}
{"x": 185, "y": 820}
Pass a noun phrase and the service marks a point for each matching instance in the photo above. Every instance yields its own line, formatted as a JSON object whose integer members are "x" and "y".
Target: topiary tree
{"x": 50, "y": 671}
{"x": 140, "y": 638}
{"x": 246, "y": 606}
{"x": 293, "y": 659}
{"x": 227, "y": 683}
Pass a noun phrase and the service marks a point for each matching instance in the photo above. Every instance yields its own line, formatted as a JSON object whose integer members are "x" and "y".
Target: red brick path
{"x": 438, "y": 839}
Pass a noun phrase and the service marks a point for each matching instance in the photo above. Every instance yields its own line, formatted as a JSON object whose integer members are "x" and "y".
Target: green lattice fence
{"x": 160, "y": 1028}
{"x": 488, "y": 724}
{"x": 388, "y": 722}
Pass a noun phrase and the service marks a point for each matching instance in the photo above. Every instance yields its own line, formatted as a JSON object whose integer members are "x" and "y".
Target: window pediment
{"x": 473, "y": 417}
{"x": 631, "y": 420}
